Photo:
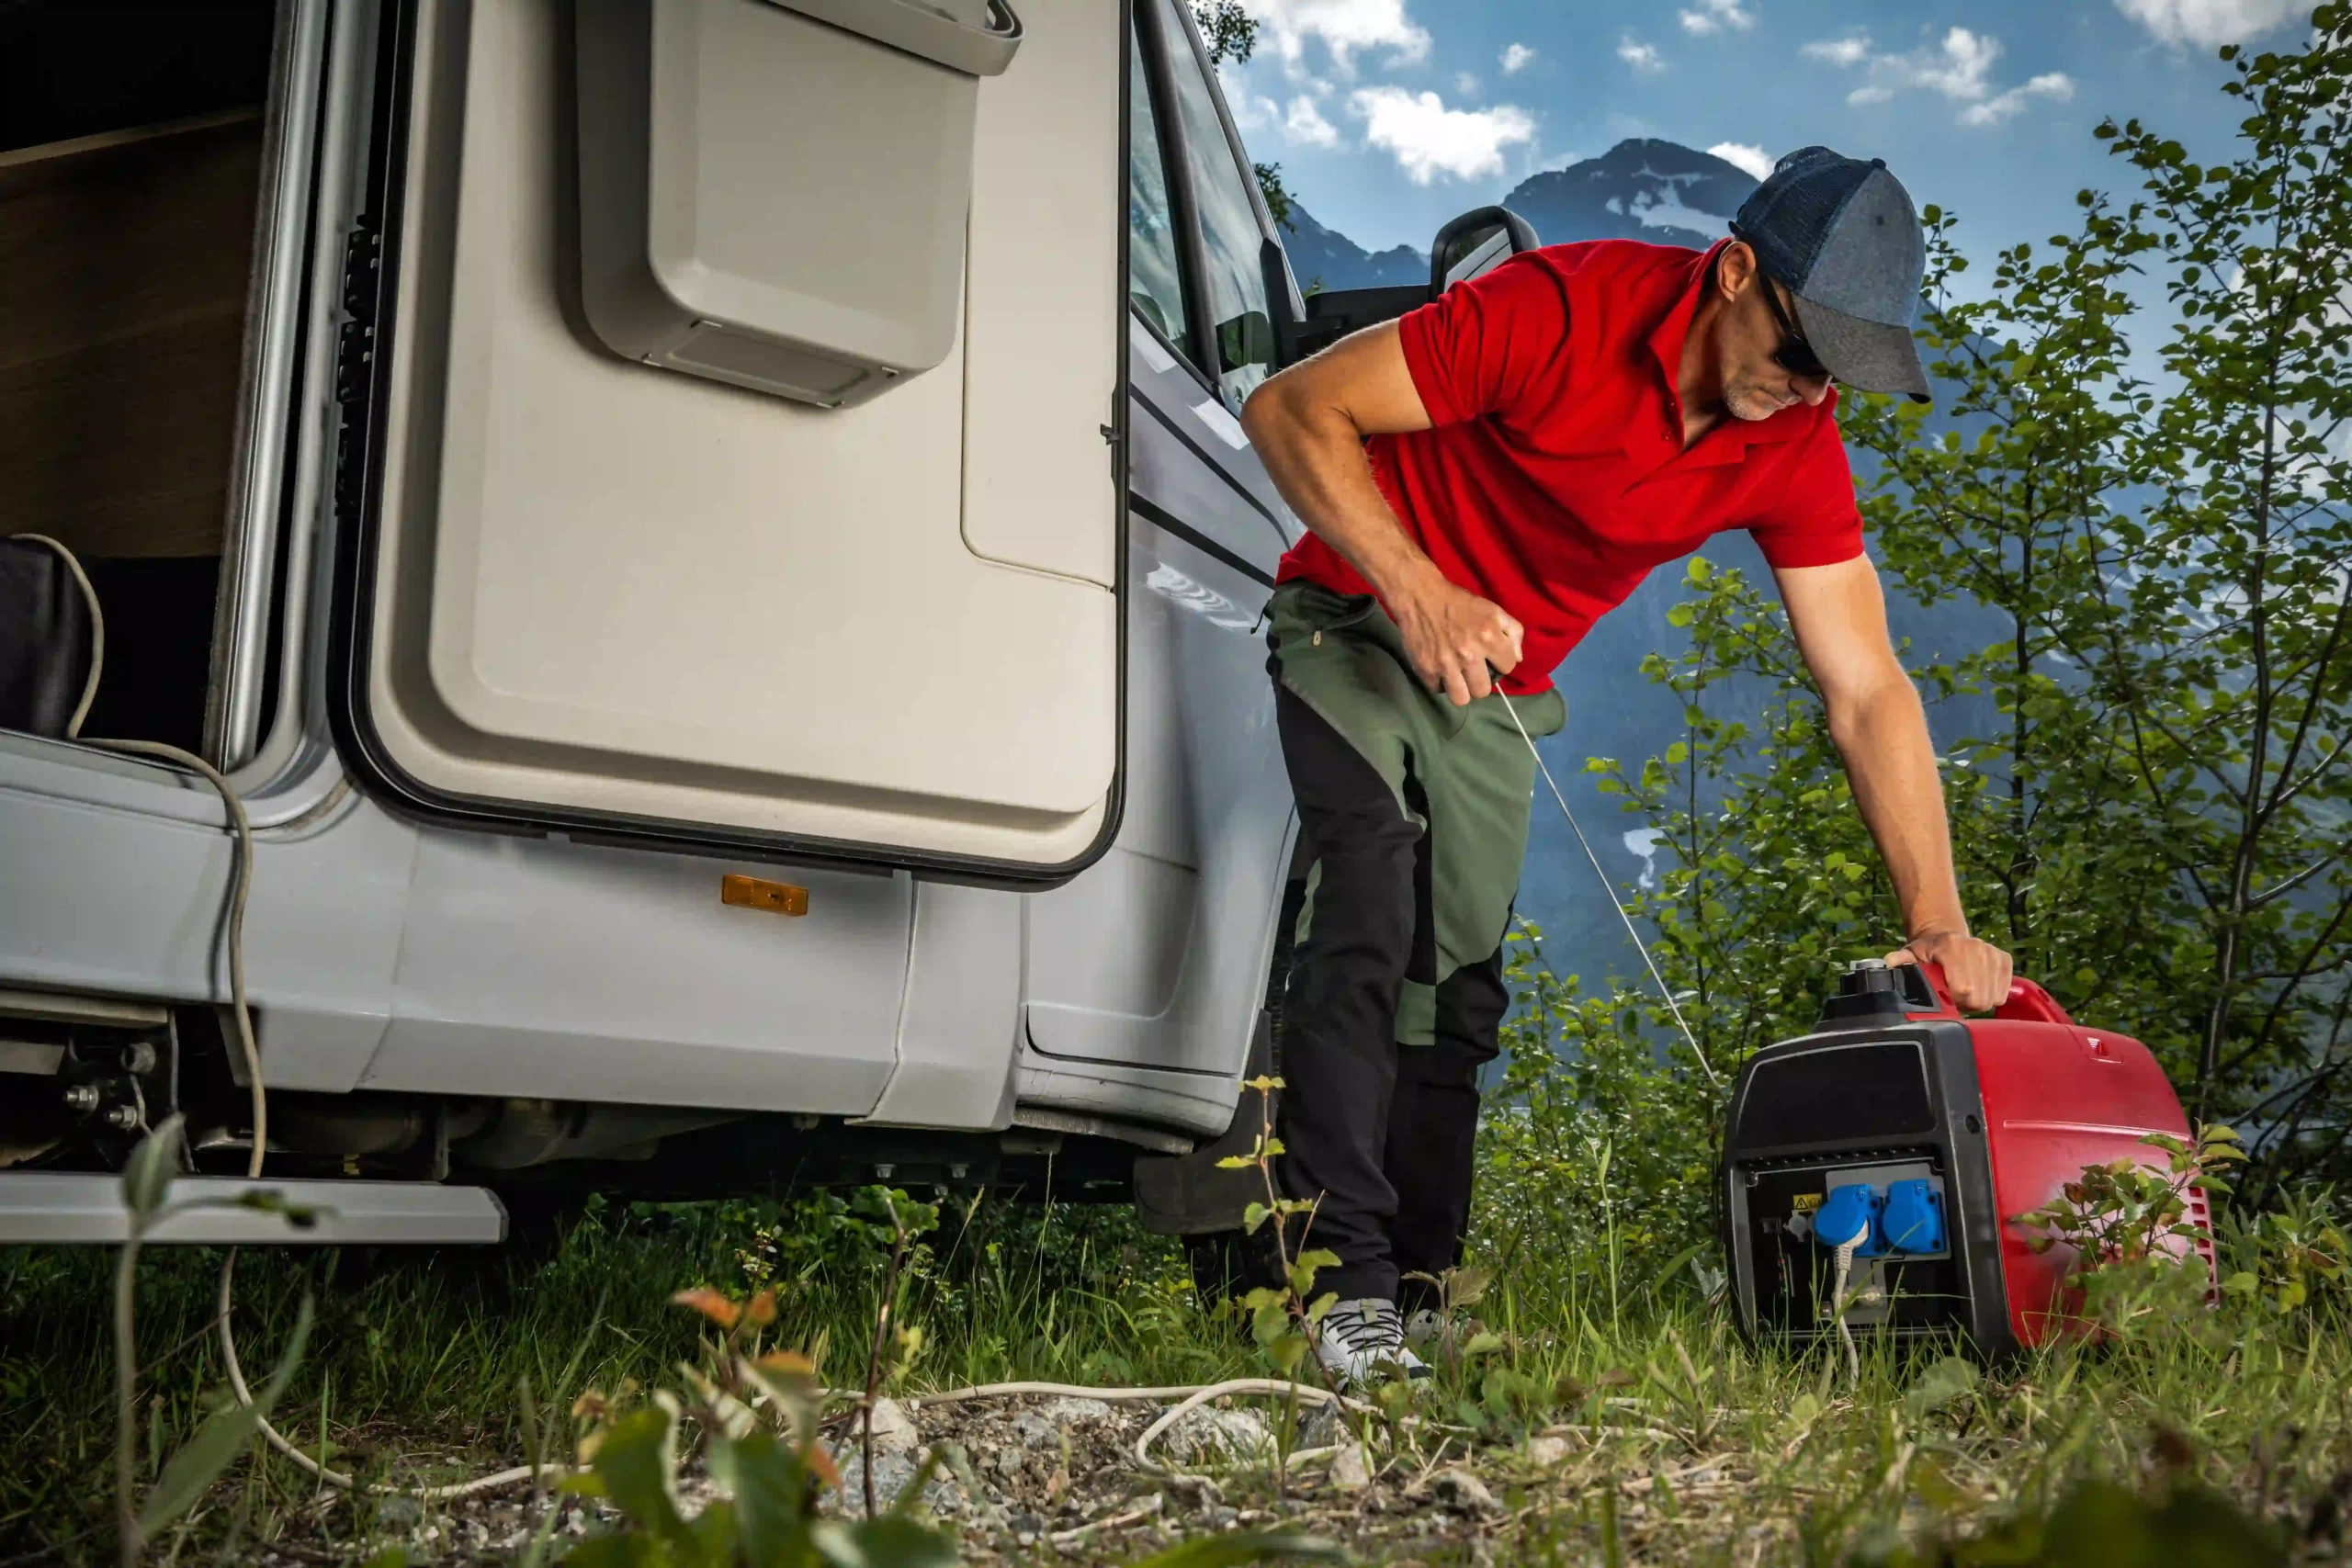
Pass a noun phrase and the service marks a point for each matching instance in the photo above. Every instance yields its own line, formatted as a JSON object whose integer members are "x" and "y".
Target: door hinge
{"x": 354, "y": 357}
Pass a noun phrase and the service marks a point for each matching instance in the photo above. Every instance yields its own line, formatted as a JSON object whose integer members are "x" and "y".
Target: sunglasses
{"x": 1795, "y": 355}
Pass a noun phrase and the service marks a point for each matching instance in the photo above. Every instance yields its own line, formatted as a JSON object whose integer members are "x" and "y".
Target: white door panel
{"x": 604, "y": 589}
{"x": 1140, "y": 960}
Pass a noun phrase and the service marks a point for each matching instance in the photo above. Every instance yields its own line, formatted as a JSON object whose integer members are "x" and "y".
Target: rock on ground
{"x": 1218, "y": 1435}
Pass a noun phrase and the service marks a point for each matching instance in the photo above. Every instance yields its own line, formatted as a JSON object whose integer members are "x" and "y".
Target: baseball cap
{"x": 1841, "y": 235}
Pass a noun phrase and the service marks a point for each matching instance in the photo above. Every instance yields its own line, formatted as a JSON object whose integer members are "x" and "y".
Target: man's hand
{"x": 1452, "y": 636}
{"x": 1976, "y": 971}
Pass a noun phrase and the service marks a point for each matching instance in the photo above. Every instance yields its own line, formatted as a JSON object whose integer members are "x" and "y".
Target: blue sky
{"x": 1390, "y": 116}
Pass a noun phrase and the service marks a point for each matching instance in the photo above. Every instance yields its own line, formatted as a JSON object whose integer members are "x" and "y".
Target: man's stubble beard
{"x": 1751, "y": 403}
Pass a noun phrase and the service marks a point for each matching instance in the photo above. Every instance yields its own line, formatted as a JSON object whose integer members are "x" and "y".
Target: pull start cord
{"x": 1611, "y": 888}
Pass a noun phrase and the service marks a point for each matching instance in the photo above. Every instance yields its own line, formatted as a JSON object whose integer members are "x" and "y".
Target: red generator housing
{"x": 1953, "y": 1127}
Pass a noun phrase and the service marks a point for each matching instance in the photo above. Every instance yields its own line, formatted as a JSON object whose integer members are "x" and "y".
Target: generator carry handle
{"x": 2026, "y": 1001}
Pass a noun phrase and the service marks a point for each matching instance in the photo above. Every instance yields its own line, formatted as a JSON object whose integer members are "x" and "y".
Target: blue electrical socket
{"x": 1898, "y": 1213}
{"x": 1912, "y": 1217}
{"x": 1852, "y": 1207}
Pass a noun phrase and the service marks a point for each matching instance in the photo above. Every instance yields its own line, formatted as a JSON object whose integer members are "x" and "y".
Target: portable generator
{"x": 1910, "y": 1139}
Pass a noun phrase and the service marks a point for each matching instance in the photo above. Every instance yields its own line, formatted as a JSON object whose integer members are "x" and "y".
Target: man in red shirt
{"x": 1482, "y": 479}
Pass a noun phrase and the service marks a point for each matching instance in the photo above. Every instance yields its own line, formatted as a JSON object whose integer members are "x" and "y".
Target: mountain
{"x": 1645, "y": 189}
{"x": 1323, "y": 258}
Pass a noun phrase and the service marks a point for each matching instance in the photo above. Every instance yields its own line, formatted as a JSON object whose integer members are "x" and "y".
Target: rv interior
{"x": 130, "y": 154}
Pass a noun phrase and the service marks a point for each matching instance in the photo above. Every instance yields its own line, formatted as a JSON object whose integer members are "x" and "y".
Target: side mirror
{"x": 1248, "y": 339}
{"x": 1482, "y": 238}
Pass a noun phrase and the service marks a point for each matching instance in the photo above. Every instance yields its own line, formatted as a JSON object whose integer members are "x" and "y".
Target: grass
{"x": 1622, "y": 1422}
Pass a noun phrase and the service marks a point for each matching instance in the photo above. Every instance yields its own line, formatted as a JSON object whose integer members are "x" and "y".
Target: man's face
{"x": 1756, "y": 385}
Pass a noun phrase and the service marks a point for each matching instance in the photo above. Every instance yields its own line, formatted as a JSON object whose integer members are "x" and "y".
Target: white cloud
{"x": 1742, "y": 155}
{"x": 1428, "y": 140}
{"x": 1516, "y": 58}
{"x": 1715, "y": 15}
{"x": 1994, "y": 110}
{"x": 1465, "y": 83}
{"x": 1305, "y": 124}
{"x": 1959, "y": 69}
{"x": 2209, "y": 24}
{"x": 1346, "y": 26}
{"x": 1301, "y": 125}
{"x": 1851, "y": 50}
{"x": 1640, "y": 56}
{"x": 1251, "y": 112}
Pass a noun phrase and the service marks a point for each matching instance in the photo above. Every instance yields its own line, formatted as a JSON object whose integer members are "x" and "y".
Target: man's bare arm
{"x": 1308, "y": 425}
{"x": 1839, "y": 617}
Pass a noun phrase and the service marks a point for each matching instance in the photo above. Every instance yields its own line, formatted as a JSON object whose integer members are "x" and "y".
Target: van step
{"x": 54, "y": 1207}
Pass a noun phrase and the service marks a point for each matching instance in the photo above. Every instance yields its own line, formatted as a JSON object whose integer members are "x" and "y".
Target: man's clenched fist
{"x": 1453, "y": 636}
{"x": 1976, "y": 971}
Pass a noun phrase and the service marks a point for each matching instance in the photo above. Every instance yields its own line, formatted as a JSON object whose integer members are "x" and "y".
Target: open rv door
{"x": 582, "y": 593}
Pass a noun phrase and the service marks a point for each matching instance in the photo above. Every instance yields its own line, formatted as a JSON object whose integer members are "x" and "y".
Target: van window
{"x": 1230, "y": 238}
{"x": 1154, "y": 286}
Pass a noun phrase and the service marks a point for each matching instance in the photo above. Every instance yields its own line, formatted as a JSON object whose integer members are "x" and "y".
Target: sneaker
{"x": 1432, "y": 1332}
{"x": 1362, "y": 1340}
{"x": 1429, "y": 1327}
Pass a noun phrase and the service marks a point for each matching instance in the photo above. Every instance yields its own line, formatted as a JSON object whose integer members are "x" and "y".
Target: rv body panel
{"x": 603, "y": 618}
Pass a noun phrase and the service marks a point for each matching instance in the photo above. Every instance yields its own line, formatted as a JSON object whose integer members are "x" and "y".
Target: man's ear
{"x": 1735, "y": 270}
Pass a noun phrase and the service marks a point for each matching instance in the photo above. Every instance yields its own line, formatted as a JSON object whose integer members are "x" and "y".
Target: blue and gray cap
{"x": 1841, "y": 235}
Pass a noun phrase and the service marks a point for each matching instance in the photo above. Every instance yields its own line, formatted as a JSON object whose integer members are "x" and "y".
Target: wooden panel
{"x": 121, "y": 328}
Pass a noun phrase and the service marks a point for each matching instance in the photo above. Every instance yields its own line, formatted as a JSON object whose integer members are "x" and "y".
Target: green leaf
{"x": 891, "y": 1540}
{"x": 713, "y": 1530}
{"x": 1948, "y": 1378}
{"x": 1252, "y": 1216}
{"x": 638, "y": 1463}
{"x": 769, "y": 1484}
{"x": 1269, "y": 1322}
{"x": 1467, "y": 1286}
{"x": 1236, "y": 1162}
{"x": 147, "y": 1175}
{"x": 217, "y": 1443}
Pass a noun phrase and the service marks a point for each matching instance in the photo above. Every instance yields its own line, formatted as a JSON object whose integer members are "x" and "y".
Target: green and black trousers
{"x": 1414, "y": 811}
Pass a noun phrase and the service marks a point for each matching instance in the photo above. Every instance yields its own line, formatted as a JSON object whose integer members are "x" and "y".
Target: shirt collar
{"x": 1666, "y": 342}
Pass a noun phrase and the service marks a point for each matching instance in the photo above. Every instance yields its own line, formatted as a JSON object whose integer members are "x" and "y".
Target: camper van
{"x": 718, "y": 568}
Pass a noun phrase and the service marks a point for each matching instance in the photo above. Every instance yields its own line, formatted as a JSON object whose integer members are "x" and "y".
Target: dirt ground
{"x": 1057, "y": 1480}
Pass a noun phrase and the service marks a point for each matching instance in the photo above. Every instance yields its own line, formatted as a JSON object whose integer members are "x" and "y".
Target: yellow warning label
{"x": 1807, "y": 1202}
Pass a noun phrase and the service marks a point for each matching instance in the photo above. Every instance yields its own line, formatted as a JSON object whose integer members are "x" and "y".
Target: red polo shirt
{"x": 1552, "y": 478}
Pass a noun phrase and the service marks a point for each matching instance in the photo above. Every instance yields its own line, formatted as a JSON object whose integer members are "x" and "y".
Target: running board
{"x": 56, "y": 1207}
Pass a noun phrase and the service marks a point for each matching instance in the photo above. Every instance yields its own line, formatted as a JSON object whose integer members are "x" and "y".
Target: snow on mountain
{"x": 1647, "y": 189}
{"x": 1643, "y": 189}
